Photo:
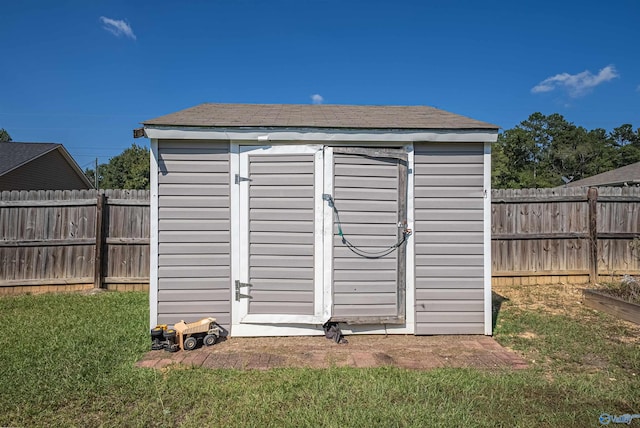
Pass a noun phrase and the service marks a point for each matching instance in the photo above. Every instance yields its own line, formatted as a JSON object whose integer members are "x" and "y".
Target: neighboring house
{"x": 625, "y": 176}
{"x": 250, "y": 204}
{"x": 39, "y": 166}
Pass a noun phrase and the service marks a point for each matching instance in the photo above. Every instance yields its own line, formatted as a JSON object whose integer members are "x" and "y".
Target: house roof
{"x": 13, "y": 155}
{"x": 629, "y": 174}
{"x": 318, "y": 116}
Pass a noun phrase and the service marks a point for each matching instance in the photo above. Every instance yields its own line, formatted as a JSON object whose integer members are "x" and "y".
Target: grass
{"x": 68, "y": 360}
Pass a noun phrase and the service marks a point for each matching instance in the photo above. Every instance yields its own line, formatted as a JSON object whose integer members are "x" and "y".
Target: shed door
{"x": 295, "y": 266}
{"x": 281, "y": 216}
{"x": 370, "y": 225}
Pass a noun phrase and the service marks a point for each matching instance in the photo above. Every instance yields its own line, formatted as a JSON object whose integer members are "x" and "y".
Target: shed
{"x": 39, "y": 166}
{"x": 278, "y": 218}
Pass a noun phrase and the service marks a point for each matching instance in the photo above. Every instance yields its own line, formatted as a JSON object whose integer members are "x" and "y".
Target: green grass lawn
{"x": 68, "y": 360}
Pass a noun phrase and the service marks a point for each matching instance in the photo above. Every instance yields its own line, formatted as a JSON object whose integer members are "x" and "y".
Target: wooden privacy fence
{"x": 69, "y": 240}
{"x": 74, "y": 239}
{"x": 575, "y": 235}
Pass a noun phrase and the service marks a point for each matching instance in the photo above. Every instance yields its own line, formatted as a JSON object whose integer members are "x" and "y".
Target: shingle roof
{"x": 12, "y": 155}
{"x": 629, "y": 174}
{"x": 318, "y": 116}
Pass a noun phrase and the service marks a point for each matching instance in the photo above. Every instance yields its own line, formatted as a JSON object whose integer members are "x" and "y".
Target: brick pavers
{"x": 410, "y": 352}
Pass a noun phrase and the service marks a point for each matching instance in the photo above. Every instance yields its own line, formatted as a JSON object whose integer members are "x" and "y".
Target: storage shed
{"x": 278, "y": 218}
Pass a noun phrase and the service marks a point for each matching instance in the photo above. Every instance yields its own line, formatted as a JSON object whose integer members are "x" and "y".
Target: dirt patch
{"x": 528, "y": 335}
{"x": 558, "y": 299}
{"x": 595, "y": 360}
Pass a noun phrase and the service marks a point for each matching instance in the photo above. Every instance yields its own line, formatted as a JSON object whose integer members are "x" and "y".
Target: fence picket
{"x": 66, "y": 221}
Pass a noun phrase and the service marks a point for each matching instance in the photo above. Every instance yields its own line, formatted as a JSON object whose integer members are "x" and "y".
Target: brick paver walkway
{"x": 411, "y": 352}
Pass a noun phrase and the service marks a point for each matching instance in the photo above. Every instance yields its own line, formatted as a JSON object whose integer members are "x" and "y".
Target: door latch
{"x": 405, "y": 230}
{"x": 328, "y": 198}
{"x": 239, "y": 295}
{"x": 240, "y": 179}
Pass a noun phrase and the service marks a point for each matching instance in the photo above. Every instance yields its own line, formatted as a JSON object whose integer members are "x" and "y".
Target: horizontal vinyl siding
{"x": 449, "y": 260}
{"x": 281, "y": 234}
{"x": 366, "y": 197}
{"x": 193, "y": 231}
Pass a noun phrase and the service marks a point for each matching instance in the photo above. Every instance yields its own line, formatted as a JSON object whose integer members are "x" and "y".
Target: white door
{"x": 281, "y": 227}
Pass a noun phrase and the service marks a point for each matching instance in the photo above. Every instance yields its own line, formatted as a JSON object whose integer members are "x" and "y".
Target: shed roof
{"x": 13, "y": 155}
{"x": 629, "y": 174}
{"x": 318, "y": 116}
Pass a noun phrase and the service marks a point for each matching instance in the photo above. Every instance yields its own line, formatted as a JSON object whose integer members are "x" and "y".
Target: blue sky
{"x": 85, "y": 73}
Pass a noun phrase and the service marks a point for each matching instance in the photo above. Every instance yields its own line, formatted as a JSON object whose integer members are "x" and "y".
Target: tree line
{"x": 547, "y": 151}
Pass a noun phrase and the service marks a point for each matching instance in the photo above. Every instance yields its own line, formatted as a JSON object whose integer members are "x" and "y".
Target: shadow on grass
{"x": 496, "y": 304}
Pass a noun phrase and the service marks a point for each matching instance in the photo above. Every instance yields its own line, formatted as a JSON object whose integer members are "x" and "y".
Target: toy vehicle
{"x": 163, "y": 337}
{"x": 188, "y": 335}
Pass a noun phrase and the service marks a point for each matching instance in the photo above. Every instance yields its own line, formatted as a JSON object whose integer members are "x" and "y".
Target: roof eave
{"x": 155, "y": 131}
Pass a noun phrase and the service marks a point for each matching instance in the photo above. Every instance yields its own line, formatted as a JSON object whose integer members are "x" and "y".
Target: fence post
{"x": 592, "y": 198}
{"x": 97, "y": 270}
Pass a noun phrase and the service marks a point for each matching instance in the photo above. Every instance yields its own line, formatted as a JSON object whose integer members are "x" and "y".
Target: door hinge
{"x": 240, "y": 179}
{"x": 239, "y": 295}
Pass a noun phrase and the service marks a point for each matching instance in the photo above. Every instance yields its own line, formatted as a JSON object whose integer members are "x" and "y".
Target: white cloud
{"x": 117, "y": 27}
{"x": 317, "y": 99}
{"x": 576, "y": 84}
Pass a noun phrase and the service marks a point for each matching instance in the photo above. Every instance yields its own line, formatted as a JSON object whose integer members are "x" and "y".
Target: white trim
{"x": 153, "y": 237}
{"x": 234, "y": 168}
{"x": 280, "y": 149}
{"x": 410, "y": 278}
{"x": 283, "y": 319}
{"x": 318, "y": 256}
{"x": 327, "y": 234}
{"x": 241, "y": 308}
{"x": 488, "y": 310}
{"x": 263, "y": 135}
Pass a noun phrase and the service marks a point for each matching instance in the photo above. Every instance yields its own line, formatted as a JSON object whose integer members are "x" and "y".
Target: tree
{"x": 541, "y": 150}
{"x": 128, "y": 170}
{"x": 4, "y": 136}
{"x": 627, "y": 144}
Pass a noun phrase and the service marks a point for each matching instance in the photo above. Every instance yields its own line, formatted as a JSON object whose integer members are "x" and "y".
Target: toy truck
{"x": 185, "y": 336}
{"x": 188, "y": 334}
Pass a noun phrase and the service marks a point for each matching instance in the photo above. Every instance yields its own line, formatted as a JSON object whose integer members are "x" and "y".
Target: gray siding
{"x": 193, "y": 231}
{"x": 281, "y": 234}
{"x": 48, "y": 172}
{"x": 366, "y": 197}
{"x": 449, "y": 197}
